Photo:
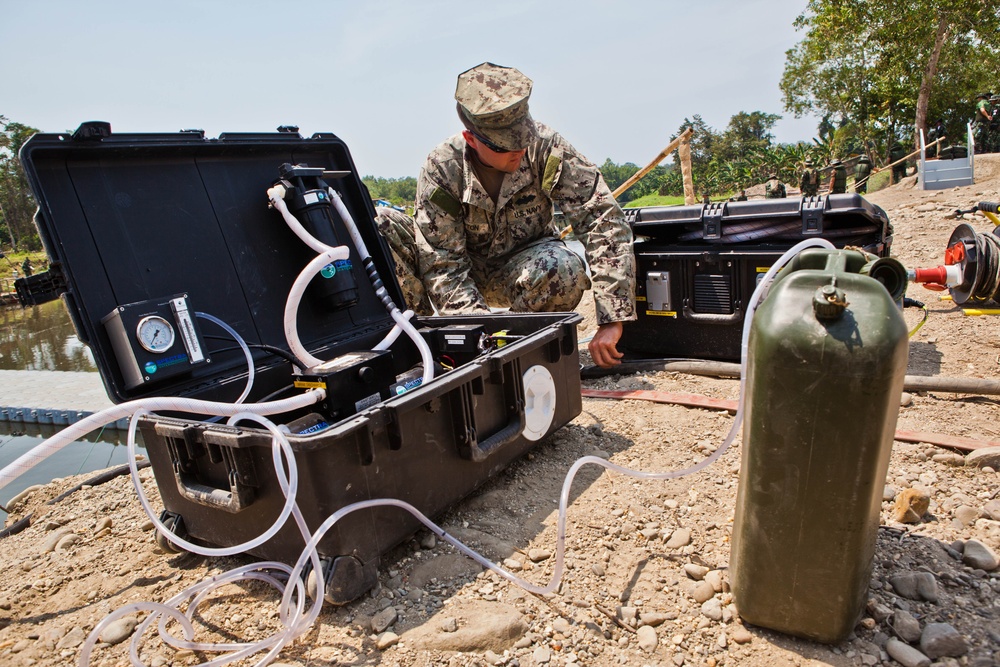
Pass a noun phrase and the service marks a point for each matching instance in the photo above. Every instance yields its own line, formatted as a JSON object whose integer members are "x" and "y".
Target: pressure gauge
{"x": 155, "y": 334}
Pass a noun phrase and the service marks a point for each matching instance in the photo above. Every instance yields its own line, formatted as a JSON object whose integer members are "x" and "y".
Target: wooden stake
{"x": 637, "y": 176}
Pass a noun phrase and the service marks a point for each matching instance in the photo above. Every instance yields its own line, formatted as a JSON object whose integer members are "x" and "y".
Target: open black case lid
{"x": 128, "y": 218}
{"x": 762, "y": 221}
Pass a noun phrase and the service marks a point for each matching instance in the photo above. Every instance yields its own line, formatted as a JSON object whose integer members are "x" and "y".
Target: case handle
{"x": 713, "y": 318}
{"x": 469, "y": 445}
{"x": 235, "y": 500}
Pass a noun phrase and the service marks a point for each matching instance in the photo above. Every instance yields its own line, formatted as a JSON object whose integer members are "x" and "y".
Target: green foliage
{"x": 874, "y": 67}
{"x": 399, "y": 191}
{"x": 655, "y": 200}
{"x": 17, "y": 208}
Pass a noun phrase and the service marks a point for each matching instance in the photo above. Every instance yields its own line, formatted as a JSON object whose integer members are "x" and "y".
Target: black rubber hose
{"x": 989, "y": 207}
{"x": 96, "y": 480}
{"x": 954, "y": 385}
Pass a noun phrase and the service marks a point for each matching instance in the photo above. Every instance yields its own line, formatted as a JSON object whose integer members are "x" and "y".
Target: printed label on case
{"x": 662, "y": 313}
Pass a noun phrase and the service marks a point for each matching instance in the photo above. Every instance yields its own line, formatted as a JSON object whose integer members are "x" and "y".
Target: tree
{"x": 885, "y": 68}
{"x": 746, "y": 132}
{"x": 17, "y": 207}
{"x": 399, "y": 191}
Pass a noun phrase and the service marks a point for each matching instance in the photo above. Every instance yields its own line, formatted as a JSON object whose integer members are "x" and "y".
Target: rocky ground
{"x": 647, "y": 580}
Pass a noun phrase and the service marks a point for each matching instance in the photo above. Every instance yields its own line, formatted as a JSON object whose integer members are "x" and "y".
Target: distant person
{"x": 838, "y": 178}
{"x": 862, "y": 170}
{"x": 936, "y": 132}
{"x": 26, "y": 267}
{"x": 981, "y": 122}
{"x": 742, "y": 196}
{"x": 774, "y": 188}
{"x": 483, "y": 232}
{"x": 809, "y": 180}
{"x": 993, "y": 135}
{"x": 705, "y": 199}
{"x": 897, "y": 153}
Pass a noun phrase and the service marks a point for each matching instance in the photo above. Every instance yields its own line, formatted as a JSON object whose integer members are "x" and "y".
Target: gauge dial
{"x": 155, "y": 334}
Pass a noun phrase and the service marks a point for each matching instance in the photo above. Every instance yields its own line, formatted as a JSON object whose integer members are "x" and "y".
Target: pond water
{"x": 42, "y": 338}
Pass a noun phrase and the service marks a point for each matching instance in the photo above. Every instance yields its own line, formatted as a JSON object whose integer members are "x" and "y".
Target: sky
{"x": 616, "y": 79}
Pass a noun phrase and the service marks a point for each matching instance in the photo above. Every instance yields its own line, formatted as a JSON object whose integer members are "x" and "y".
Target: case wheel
{"x": 345, "y": 579}
{"x": 175, "y": 523}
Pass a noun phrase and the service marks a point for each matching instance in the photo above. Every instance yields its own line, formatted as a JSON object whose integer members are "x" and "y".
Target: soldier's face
{"x": 506, "y": 162}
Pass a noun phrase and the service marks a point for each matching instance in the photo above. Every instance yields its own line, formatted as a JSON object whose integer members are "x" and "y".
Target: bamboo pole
{"x": 903, "y": 159}
{"x": 685, "y": 135}
{"x": 684, "y": 152}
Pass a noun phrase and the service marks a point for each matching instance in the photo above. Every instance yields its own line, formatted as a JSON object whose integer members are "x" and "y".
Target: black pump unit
{"x": 308, "y": 199}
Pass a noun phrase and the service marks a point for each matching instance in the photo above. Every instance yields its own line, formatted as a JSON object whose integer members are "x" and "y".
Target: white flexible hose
{"x": 277, "y": 197}
{"x": 291, "y": 612}
{"x": 295, "y": 298}
{"x": 251, "y": 370}
{"x": 393, "y": 334}
{"x": 77, "y": 430}
{"x": 426, "y": 356}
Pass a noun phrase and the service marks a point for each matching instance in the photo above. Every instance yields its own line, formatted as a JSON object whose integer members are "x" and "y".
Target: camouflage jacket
{"x": 460, "y": 224}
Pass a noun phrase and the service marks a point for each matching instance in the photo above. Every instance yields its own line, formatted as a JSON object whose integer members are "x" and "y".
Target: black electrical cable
{"x": 277, "y": 351}
{"x": 96, "y": 480}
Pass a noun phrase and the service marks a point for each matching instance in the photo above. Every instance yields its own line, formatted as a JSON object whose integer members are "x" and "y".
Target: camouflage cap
{"x": 984, "y": 96}
{"x": 864, "y": 158}
{"x": 493, "y": 101}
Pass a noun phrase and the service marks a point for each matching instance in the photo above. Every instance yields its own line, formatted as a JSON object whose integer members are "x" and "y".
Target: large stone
{"x": 984, "y": 457}
{"x": 679, "y": 538}
{"x": 915, "y": 586}
{"x": 941, "y": 639}
{"x": 118, "y": 630}
{"x": 490, "y": 626}
{"x": 978, "y": 555}
{"x": 53, "y": 539}
{"x": 382, "y": 620}
{"x": 72, "y": 639}
{"x": 992, "y": 509}
{"x": 905, "y": 654}
{"x": 910, "y": 506}
{"x": 646, "y": 637}
{"x": 906, "y": 626}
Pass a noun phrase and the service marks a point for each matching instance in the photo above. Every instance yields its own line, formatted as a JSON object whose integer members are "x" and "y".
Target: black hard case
{"x": 131, "y": 217}
{"x": 715, "y": 254}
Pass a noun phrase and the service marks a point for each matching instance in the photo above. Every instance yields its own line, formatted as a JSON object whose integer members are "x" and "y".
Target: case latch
{"x": 711, "y": 220}
{"x": 811, "y": 210}
{"x": 92, "y": 130}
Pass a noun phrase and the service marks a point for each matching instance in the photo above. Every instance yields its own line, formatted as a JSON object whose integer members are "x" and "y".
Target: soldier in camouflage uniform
{"x": 838, "y": 178}
{"x": 809, "y": 180}
{"x": 774, "y": 188}
{"x": 862, "y": 170}
{"x": 993, "y": 135}
{"x": 981, "y": 123}
{"x": 483, "y": 234}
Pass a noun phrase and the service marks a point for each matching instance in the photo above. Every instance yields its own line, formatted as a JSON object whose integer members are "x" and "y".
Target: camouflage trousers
{"x": 545, "y": 276}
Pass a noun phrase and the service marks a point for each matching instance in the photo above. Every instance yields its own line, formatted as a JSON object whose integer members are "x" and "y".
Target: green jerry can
{"x": 827, "y": 358}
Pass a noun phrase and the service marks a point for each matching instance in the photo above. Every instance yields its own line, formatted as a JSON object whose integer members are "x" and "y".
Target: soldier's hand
{"x": 604, "y": 345}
